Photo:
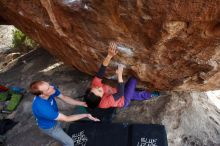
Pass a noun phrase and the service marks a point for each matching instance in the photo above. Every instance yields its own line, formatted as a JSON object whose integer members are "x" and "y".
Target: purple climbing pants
{"x": 131, "y": 94}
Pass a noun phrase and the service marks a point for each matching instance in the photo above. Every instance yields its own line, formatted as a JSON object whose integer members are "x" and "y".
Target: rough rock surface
{"x": 190, "y": 118}
{"x": 5, "y": 37}
{"x": 169, "y": 45}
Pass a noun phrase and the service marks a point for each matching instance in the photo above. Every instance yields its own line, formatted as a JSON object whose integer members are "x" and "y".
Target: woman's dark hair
{"x": 91, "y": 99}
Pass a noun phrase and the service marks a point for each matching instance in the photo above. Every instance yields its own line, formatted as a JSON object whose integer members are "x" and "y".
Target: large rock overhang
{"x": 169, "y": 45}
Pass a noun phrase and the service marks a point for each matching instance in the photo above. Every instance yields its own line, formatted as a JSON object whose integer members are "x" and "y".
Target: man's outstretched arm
{"x": 71, "y": 101}
{"x": 62, "y": 117}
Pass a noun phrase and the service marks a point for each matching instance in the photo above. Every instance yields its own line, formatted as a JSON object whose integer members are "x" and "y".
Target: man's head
{"x": 92, "y": 99}
{"x": 41, "y": 88}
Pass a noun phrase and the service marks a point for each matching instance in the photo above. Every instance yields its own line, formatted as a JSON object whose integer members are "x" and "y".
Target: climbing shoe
{"x": 155, "y": 94}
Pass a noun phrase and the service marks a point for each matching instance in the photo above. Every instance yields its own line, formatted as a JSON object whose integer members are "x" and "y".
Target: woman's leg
{"x": 129, "y": 90}
{"x": 141, "y": 95}
{"x": 131, "y": 94}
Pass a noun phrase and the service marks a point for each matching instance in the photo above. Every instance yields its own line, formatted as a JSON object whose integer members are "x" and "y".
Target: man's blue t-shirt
{"x": 46, "y": 110}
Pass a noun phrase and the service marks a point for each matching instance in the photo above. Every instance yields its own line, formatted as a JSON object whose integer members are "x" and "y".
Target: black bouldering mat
{"x": 117, "y": 134}
{"x": 148, "y": 135}
{"x": 98, "y": 134}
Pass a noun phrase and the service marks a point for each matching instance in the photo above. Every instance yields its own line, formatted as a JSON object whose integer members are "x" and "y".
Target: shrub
{"x": 21, "y": 40}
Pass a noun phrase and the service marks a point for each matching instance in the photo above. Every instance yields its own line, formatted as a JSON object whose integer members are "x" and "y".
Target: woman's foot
{"x": 155, "y": 94}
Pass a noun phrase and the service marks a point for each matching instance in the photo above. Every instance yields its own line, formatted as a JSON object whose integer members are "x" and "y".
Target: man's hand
{"x": 112, "y": 50}
{"x": 92, "y": 118}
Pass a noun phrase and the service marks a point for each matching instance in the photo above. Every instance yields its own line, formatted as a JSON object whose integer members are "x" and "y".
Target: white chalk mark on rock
{"x": 126, "y": 50}
{"x": 71, "y": 1}
{"x": 86, "y": 7}
{"x": 21, "y": 13}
